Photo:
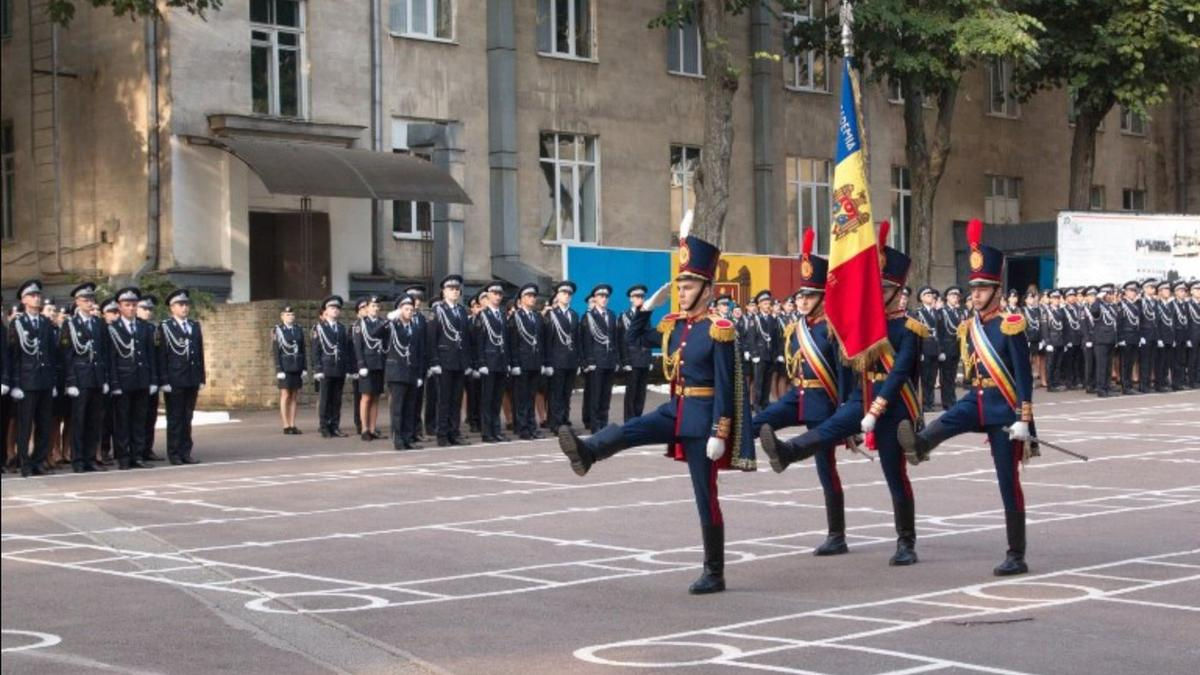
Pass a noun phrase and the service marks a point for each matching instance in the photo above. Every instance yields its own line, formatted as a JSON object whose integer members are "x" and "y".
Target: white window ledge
{"x": 423, "y": 38}
{"x": 807, "y": 90}
{"x": 569, "y": 57}
{"x": 680, "y": 73}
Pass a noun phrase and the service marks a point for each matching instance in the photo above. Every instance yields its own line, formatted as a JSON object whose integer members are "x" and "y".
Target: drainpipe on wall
{"x": 153, "y": 212}
{"x": 376, "y": 125}
{"x": 761, "y": 84}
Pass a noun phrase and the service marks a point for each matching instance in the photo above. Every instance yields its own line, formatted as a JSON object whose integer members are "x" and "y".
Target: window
{"x": 809, "y": 201}
{"x": 276, "y": 57}
{"x": 1132, "y": 122}
{"x": 1073, "y": 111}
{"x": 429, "y": 19}
{"x": 410, "y": 219}
{"x": 807, "y": 71}
{"x": 1096, "y": 198}
{"x": 564, "y": 28}
{"x": 683, "y": 49}
{"x": 901, "y": 208}
{"x": 895, "y": 95}
{"x": 569, "y": 164}
{"x": 8, "y": 189}
{"x": 5, "y": 18}
{"x": 1133, "y": 199}
{"x": 685, "y": 159}
{"x": 1003, "y": 202}
{"x": 1001, "y": 100}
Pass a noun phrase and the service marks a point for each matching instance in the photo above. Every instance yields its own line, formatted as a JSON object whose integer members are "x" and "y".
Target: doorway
{"x": 289, "y": 255}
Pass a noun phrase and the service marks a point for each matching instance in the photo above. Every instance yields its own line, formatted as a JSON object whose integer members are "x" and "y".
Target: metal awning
{"x": 315, "y": 170}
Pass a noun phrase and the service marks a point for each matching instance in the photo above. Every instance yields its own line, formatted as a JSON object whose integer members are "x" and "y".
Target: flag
{"x": 853, "y": 302}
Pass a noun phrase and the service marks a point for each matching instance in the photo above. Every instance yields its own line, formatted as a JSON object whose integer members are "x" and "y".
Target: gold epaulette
{"x": 1013, "y": 324}
{"x": 917, "y": 327}
{"x": 963, "y": 328}
{"x": 721, "y": 330}
{"x": 668, "y": 322}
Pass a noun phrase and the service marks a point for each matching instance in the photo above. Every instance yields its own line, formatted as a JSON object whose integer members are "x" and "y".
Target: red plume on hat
{"x": 884, "y": 228}
{"x": 809, "y": 236}
{"x": 974, "y": 233}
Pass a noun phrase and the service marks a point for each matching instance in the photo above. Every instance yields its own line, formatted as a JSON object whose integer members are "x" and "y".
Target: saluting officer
{"x": 291, "y": 366}
{"x": 492, "y": 362}
{"x": 635, "y": 356}
{"x": 562, "y": 354}
{"x": 405, "y": 370}
{"x": 449, "y": 353}
{"x": 601, "y": 354}
{"x": 33, "y": 358}
{"x": 145, "y": 314}
{"x": 527, "y": 356}
{"x": 931, "y": 347}
{"x": 86, "y": 361}
{"x": 134, "y": 379}
{"x": 1129, "y": 334}
{"x": 1104, "y": 320}
{"x": 370, "y": 354}
{"x": 950, "y": 317}
{"x": 763, "y": 347}
{"x": 1149, "y": 341}
{"x": 181, "y": 373}
{"x": 332, "y": 359}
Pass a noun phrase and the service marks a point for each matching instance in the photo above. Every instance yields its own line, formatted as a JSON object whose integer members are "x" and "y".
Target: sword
{"x": 1052, "y": 446}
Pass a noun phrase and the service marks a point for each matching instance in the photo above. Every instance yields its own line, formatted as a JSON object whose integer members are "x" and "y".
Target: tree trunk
{"x": 720, "y": 85}
{"x": 1083, "y": 157}
{"x": 926, "y": 166}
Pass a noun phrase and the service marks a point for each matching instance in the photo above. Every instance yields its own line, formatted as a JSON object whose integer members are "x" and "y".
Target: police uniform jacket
{"x": 1149, "y": 308}
{"x": 1129, "y": 323}
{"x": 526, "y": 341}
{"x": 332, "y": 351}
{"x": 448, "y": 337}
{"x": 562, "y": 339}
{"x": 1072, "y": 329}
{"x": 633, "y": 354}
{"x": 765, "y": 336}
{"x": 370, "y": 351}
{"x": 1182, "y": 323}
{"x": 85, "y": 352}
{"x": 491, "y": 341}
{"x": 930, "y": 346}
{"x": 181, "y": 354}
{"x": 1006, "y": 333}
{"x": 1104, "y": 318}
{"x": 1166, "y": 322}
{"x": 599, "y": 339}
{"x": 1194, "y": 322}
{"x": 947, "y": 328}
{"x": 1087, "y": 323}
{"x": 405, "y": 352}
{"x": 32, "y": 352}
{"x": 133, "y": 363}
{"x": 287, "y": 343}
{"x": 1054, "y": 327}
{"x": 1033, "y": 326}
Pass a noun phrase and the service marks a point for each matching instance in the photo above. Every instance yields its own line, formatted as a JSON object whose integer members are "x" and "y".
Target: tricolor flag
{"x": 853, "y": 301}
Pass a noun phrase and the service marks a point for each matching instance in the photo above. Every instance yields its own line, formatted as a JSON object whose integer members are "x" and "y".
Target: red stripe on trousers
{"x": 1018, "y": 451}
{"x": 714, "y": 505}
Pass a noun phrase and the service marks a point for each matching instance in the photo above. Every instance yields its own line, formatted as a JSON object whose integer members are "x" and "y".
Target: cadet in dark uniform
{"x": 133, "y": 379}
{"x": 1183, "y": 336}
{"x": 449, "y": 353}
{"x": 601, "y": 355}
{"x": 931, "y": 350}
{"x": 1072, "y": 334}
{"x": 1054, "y": 332}
{"x": 1193, "y": 344}
{"x": 145, "y": 314}
{"x": 405, "y": 370}
{"x": 526, "y": 349}
{"x": 182, "y": 374}
{"x": 706, "y": 423}
{"x": 562, "y": 355}
{"x": 426, "y": 394}
{"x": 1088, "y": 325}
{"x": 360, "y": 310}
{"x": 85, "y": 358}
{"x": 1000, "y": 400}
{"x": 635, "y": 357}
{"x": 765, "y": 335}
{"x": 819, "y": 384}
{"x": 950, "y": 317}
{"x": 1104, "y": 322}
{"x": 491, "y": 362}
{"x": 1034, "y": 333}
{"x": 1164, "y": 358}
{"x": 112, "y": 312}
{"x": 472, "y": 380}
{"x": 32, "y": 357}
{"x": 890, "y": 384}
{"x": 291, "y": 363}
{"x": 332, "y": 358}
{"x": 1149, "y": 341}
{"x": 1129, "y": 334}
{"x": 370, "y": 353}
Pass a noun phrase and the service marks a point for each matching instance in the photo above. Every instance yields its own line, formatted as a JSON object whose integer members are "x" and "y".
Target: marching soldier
{"x": 601, "y": 353}
{"x": 1000, "y": 400}
{"x": 635, "y": 356}
{"x": 86, "y": 361}
{"x": 527, "y": 356}
{"x": 562, "y": 354}
{"x": 1183, "y": 336}
{"x": 405, "y": 369}
{"x": 291, "y": 363}
{"x": 890, "y": 384}
{"x": 182, "y": 374}
{"x": 449, "y": 353}
{"x": 949, "y": 319}
{"x": 32, "y": 378}
{"x": 370, "y": 354}
{"x": 1129, "y": 331}
{"x": 134, "y": 379}
{"x": 1149, "y": 341}
{"x": 706, "y": 422}
{"x": 1104, "y": 321}
{"x": 332, "y": 359}
{"x": 819, "y": 383}
{"x": 763, "y": 347}
{"x": 492, "y": 360}
{"x": 1055, "y": 334}
{"x": 1164, "y": 358}
{"x": 145, "y": 314}
{"x": 932, "y": 355}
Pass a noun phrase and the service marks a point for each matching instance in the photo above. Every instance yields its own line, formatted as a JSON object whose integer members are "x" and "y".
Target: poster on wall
{"x": 1095, "y": 248}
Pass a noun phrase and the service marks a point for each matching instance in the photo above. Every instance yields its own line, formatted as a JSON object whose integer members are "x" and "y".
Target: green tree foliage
{"x": 62, "y": 11}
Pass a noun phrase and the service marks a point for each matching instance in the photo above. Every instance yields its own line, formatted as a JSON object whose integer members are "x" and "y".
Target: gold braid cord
{"x": 917, "y": 327}
{"x": 734, "y": 448}
{"x": 791, "y": 362}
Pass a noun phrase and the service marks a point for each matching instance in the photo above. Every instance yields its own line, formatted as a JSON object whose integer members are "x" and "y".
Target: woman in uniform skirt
{"x": 287, "y": 341}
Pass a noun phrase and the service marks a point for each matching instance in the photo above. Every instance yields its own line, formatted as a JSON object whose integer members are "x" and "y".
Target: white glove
{"x": 1189, "y": 344}
{"x": 658, "y": 298}
{"x": 153, "y": 389}
{"x": 941, "y": 357}
{"x": 420, "y": 382}
{"x": 589, "y": 369}
{"x": 630, "y": 368}
{"x": 1069, "y": 345}
{"x": 117, "y": 392}
{"x": 1121, "y": 343}
{"x": 280, "y": 376}
{"x": 1160, "y": 343}
{"x": 362, "y": 372}
{"x": 73, "y": 392}
{"x": 54, "y": 392}
{"x": 166, "y": 388}
{"x": 104, "y": 389}
{"x": 868, "y": 423}
{"x": 715, "y": 449}
{"x": 1019, "y": 431}
{"x": 514, "y": 371}
{"x": 304, "y": 374}
{"x": 483, "y": 371}
{"x": 756, "y": 359}
{"x": 1141, "y": 342}
{"x": 201, "y": 387}
{"x": 1088, "y": 345}
{"x": 435, "y": 370}
{"x": 745, "y": 356}
{"x": 779, "y": 359}
{"x": 1050, "y": 348}
{"x": 3, "y": 390}
{"x": 17, "y": 394}
{"x": 319, "y": 376}
{"x": 548, "y": 371}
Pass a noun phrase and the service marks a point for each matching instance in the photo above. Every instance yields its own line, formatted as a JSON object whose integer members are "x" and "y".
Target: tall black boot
{"x": 1014, "y": 563}
{"x": 904, "y": 512}
{"x": 712, "y": 580}
{"x": 918, "y": 445}
{"x": 835, "y": 514}
{"x": 782, "y": 453}
{"x": 583, "y": 453}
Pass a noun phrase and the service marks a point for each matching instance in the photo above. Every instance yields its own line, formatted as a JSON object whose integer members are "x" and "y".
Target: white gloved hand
{"x": 1141, "y": 342}
{"x": 1088, "y": 345}
{"x": 659, "y": 297}
{"x": 1160, "y": 343}
{"x": 483, "y": 370}
{"x": 715, "y": 448}
{"x": 1069, "y": 345}
{"x": 436, "y": 370}
{"x": 1189, "y": 344}
{"x": 941, "y": 357}
{"x": 745, "y": 356}
{"x": 589, "y": 369}
{"x": 3, "y": 390}
{"x": 420, "y": 382}
{"x": 756, "y": 359}
{"x": 319, "y": 376}
{"x": 304, "y": 374}
{"x": 104, "y": 389}
{"x": 153, "y": 389}
{"x": 779, "y": 359}
{"x": 1121, "y": 343}
{"x": 1019, "y": 431}
{"x": 868, "y": 423}
{"x": 362, "y": 372}
{"x": 166, "y": 388}
{"x": 54, "y": 392}
{"x": 73, "y": 392}
{"x": 629, "y": 369}
{"x": 1050, "y": 348}
{"x": 280, "y": 376}
{"x": 17, "y": 394}
{"x": 514, "y": 371}
{"x": 548, "y": 371}
{"x": 117, "y": 392}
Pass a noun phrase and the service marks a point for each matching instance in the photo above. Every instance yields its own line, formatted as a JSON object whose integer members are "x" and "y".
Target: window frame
{"x": 401, "y": 146}
{"x": 431, "y": 6}
{"x": 687, "y": 184}
{"x": 1012, "y": 108}
{"x": 1127, "y": 123}
{"x": 572, "y": 24}
{"x": 991, "y": 200}
{"x": 1092, "y": 192}
{"x": 792, "y": 61}
{"x": 1127, "y": 196}
{"x": 580, "y": 141}
{"x": 810, "y": 190}
{"x": 902, "y": 192}
{"x": 677, "y": 33}
{"x": 273, "y": 83}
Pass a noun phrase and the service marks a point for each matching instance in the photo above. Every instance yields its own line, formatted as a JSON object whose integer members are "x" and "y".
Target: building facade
{"x": 562, "y": 121}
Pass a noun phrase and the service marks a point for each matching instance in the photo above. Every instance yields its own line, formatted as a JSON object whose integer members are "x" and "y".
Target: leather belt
{"x": 877, "y": 377}
{"x": 696, "y": 392}
{"x": 807, "y": 384}
{"x": 983, "y": 382}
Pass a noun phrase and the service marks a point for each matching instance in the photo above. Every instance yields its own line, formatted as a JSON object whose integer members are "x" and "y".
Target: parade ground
{"x": 294, "y": 554}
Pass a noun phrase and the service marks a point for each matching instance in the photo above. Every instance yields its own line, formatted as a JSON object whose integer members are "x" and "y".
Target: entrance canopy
{"x": 314, "y": 170}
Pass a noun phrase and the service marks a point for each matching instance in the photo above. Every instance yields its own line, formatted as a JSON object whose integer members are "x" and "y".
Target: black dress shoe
{"x": 1012, "y": 565}
{"x": 377, "y": 434}
{"x": 502, "y": 439}
{"x": 139, "y": 465}
{"x": 490, "y": 439}
{"x": 94, "y": 467}
{"x": 459, "y": 440}
{"x": 444, "y": 443}
{"x": 339, "y": 433}
{"x": 367, "y": 436}
{"x": 189, "y": 460}
{"x": 834, "y": 544}
{"x": 76, "y": 469}
{"x": 151, "y": 457}
{"x": 26, "y": 472}
{"x": 288, "y": 431}
{"x": 123, "y": 466}
{"x": 104, "y": 461}
{"x": 296, "y": 431}
{"x": 413, "y": 446}
{"x": 175, "y": 461}
{"x": 325, "y": 434}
